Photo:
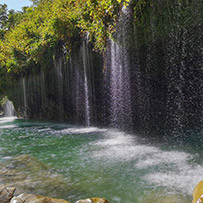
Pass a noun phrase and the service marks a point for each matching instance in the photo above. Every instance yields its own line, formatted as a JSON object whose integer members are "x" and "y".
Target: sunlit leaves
{"x": 49, "y": 23}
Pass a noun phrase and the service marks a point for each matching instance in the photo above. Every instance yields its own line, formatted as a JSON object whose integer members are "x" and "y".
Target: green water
{"x": 74, "y": 162}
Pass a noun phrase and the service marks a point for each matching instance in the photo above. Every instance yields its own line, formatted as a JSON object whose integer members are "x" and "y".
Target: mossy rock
{"x": 29, "y": 162}
{"x": 29, "y": 175}
{"x": 198, "y": 193}
{"x": 31, "y": 198}
{"x": 6, "y": 194}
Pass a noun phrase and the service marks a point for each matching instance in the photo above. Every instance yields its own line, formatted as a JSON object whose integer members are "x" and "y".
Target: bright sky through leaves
{"x": 16, "y": 4}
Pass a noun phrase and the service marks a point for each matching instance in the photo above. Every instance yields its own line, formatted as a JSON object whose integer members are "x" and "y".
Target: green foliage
{"x": 52, "y": 24}
{"x": 33, "y": 37}
{"x": 13, "y": 19}
{"x": 3, "y": 100}
{"x": 98, "y": 19}
{"x": 3, "y": 15}
{"x": 3, "y": 19}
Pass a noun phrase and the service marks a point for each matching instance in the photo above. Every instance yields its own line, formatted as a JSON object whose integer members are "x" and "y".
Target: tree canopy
{"x": 30, "y": 37}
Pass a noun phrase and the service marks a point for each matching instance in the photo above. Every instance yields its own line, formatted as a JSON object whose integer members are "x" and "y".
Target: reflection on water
{"x": 73, "y": 162}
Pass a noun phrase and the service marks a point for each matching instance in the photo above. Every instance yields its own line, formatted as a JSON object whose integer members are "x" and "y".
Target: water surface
{"x": 73, "y": 162}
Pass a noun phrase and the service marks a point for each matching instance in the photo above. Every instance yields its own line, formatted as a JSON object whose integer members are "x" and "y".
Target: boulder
{"x": 6, "y": 194}
{"x": 31, "y": 198}
{"x": 84, "y": 201}
{"x": 16, "y": 200}
{"x": 198, "y": 193}
{"x": 93, "y": 200}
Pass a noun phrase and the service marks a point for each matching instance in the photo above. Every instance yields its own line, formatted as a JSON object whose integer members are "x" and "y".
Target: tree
{"x": 3, "y": 16}
{"x": 3, "y": 19}
{"x": 14, "y": 19}
{"x": 52, "y": 24}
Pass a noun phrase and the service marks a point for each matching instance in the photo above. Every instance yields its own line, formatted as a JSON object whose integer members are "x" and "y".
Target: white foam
{"x": 7, "y": 157}
{"x": 125, "y": 152}
{"x": 163, "y": 157}
{"x": 119, "y": 145}
{"x": 115, "y": 141}
{"x": 44, "y": 130}
{"x": 7, "y": 119}
{"x": 183, "y": 179}
{"x": 80, "y": 130}
{"x": 171, "y": 169}
{"x": 7, "y": 126}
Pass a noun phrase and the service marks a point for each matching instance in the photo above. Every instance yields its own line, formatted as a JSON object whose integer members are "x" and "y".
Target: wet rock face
{"x": 93, "y": 200}
{"x": 6, "y": 194}
{"x": 30, "y": 198}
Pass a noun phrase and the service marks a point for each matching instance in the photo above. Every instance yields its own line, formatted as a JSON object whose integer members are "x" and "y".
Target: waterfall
{"x": 42, "y": 93}
{"x": 121, "y": 112}
{"x": 25, "y": 99}
{"x": 184, "y": 73}
{"x": 152, "y": 80}
{"x": 81, "y": 84}
{"x": 9, "y": 109}
{"x": 87, "y": 105}
{"x": 77, "y": 86}
{"x": 58, "y": 64}
{"x": 86, "y": 66}
{"x": 120, "y": 90}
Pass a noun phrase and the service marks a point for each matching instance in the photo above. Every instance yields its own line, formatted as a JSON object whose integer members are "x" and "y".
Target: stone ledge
{"x": 7, "y": 196}
{"x": 31, "y": 198}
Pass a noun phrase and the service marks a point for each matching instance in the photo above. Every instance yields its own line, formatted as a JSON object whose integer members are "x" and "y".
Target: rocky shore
{"x": 7, "y": 196}
{"x": 28, "y": 175}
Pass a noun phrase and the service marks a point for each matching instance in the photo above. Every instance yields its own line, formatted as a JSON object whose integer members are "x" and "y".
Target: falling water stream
{"x": 24, "y": 98}
{"x": 121, "y": 112}
{"x": 9, "y": 110}
{"x": 73, "y": 162}
{"x": 86, "y": 88}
